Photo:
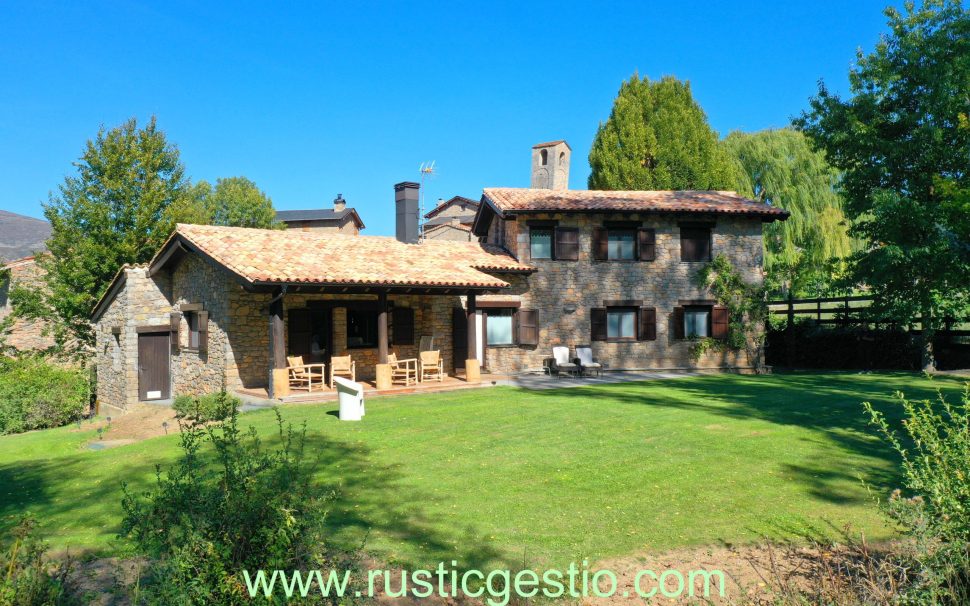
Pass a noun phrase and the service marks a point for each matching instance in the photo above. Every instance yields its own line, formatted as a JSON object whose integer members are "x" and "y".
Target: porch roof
{"x": 261, "y": 257}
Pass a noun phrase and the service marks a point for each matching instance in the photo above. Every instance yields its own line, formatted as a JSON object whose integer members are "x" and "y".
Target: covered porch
{"x": 384, "y": 334}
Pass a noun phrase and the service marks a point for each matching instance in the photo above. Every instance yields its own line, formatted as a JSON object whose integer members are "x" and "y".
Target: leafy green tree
{"x": 657, "y": 137}
{"x": 780, "y": 167}
{"x": 902, "y": 131}
{"x": 234, "y": 201}
{"x": 119, "y": 207}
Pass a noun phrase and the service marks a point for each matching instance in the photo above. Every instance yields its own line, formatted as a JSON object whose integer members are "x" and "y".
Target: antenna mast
{"x": 426, "y": 169}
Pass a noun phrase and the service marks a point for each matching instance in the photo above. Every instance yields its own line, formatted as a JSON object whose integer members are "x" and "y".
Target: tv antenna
{"x": 427, "y": 170}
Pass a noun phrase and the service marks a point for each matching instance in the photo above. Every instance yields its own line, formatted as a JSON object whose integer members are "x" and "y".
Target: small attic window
{"x": 562, "y": 158}
{"x": 544, "y": 155}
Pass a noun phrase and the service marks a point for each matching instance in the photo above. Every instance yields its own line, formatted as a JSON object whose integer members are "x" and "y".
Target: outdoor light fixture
{"x": 569, "y": 308}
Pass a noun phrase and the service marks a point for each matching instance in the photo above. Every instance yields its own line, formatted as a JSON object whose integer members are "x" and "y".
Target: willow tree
{"x": 779, "y": 167}
{"x": 657, "y": 137}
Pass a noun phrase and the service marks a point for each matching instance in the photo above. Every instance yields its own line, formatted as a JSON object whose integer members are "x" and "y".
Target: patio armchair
{"x": 342, "y": 366}
{"x": 305, "y": 376}
{"x": 432, "y": 366}
{"x": 405, "y": 370}
{"x": 561, "y": 363}
{"x": 587, "y": 363}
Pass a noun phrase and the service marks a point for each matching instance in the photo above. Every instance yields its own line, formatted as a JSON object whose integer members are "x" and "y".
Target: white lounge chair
{"x": 561, "y": 363}
{"x": 587, "y": 364}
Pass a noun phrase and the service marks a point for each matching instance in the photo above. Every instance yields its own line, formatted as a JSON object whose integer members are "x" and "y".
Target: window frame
{"x": 551, "y": 229}
{"x": 709, "y": 309}
{"x": 635, "y": 310}
{"x": 371, "y": 314}
{"x": 708, "y": 228}
{"x": 628, "y": 231}
{"x": 509, "y": 312}
{"x": 192, "y": 324}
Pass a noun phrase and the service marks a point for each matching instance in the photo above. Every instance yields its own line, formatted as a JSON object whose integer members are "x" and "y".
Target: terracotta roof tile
{"x": 266, "y": 255}
{"x": 510, "y": 199}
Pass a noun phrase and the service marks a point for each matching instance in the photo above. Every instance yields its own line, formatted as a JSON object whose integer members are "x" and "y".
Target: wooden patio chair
{"x": 342, "y": 366}
{"x": 432, "y": 366}
{"x": 403, "y": 370}
{"x": 305, "y": 376}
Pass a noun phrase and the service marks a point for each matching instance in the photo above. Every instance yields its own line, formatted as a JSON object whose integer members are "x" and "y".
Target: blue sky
{"x": 314, "y": 99}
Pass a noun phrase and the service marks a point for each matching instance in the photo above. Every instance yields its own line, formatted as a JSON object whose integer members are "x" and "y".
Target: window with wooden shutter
{"x": 695, "y": 243}
{"x": 567, "y": 244}
{"x": 601, "y": 244}
{"x": 597, "y": 318}
{"x": 678, "y": 322}
{"x": 719, "y": 322}
{"x": 648, "y": 324}
{"x": 203, "y": 325}
{"x": 175, "y": 324}
{"x": 527, "y": 327}
{"x": 647, "y": 244}
{"x": 402, "y": 319}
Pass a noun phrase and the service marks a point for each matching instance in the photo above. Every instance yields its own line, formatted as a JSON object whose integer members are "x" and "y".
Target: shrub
{"x": 935, "y": 453}
{"x": 229, "y": 504}
{"x": 209, "y": 407}
{"x": 35, "y": 394}
{"x": 26, "y": 579}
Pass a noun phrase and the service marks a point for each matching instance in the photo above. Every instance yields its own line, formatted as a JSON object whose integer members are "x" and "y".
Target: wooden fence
{"x": 852, "y": 311}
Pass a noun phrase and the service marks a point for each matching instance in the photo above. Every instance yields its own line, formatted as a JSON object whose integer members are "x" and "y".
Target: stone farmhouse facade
{"x": 223, "y": 307}
{"x": 451, "y": 219}
{"x": 23, "y": 335}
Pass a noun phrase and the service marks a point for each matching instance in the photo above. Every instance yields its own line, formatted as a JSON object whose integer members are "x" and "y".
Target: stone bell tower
{"x": 550, "y": 165}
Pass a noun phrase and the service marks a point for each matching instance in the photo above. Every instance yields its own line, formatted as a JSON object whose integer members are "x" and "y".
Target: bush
{"x": 210, "y": 407}
{"x": 936, "y": 513}
{"x": 842, "y": 348}
{"x": 227, "y": 505}
{"x": 35, "y": 394}
{"x": 26, "y": 579}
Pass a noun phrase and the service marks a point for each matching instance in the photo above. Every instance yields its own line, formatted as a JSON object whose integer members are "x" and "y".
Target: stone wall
{"x": 23, "y": 335}
{"x": 585, "y": 284}
{"x": 196, "y": 372}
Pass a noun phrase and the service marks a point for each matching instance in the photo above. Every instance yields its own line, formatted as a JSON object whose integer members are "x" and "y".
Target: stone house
{"x": 451, "y": 219}
{"x": 222, "y": 306}
{"x": 22, "y": 335}
{"x": 340, "y": 219}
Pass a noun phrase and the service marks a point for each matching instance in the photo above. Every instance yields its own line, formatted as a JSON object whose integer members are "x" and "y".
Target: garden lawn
{"x": 547, "y": 477}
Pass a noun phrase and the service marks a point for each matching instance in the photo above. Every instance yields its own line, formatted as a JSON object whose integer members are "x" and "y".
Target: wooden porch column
{"x": 472, "y": 367}
{"x": 382, "y": 327}
{"x": 278, "y": 384}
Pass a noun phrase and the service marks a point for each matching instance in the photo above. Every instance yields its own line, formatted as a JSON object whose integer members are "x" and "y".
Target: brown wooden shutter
{"x": 719, "y": 322}
{"x": 567, "y": 244}
{"x": 175, "y": 324}
{"x": 600, "y": 244}
{"x": 528, "y": 329}
{"x": 203, "y": 331}
{"x": 403, "y": 325}
{"x": 597, "y": 318}
{"x": 647, "y": 244}
{"x": 678, "y": 320}
{"x": 648, "y": 324}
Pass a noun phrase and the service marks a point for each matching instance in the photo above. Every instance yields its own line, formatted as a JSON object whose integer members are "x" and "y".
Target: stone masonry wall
{"x": 196, "y": 282}
{"x": 586, "y": 284}
{"x": 22, "y": 334}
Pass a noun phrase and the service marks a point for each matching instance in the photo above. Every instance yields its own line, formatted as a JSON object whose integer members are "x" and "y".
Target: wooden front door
{"x": 459, "y": 338}
{"x": 153, "y": 365}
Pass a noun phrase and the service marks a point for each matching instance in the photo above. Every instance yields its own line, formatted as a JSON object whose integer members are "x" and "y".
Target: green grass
{"x": 507, "y": 475}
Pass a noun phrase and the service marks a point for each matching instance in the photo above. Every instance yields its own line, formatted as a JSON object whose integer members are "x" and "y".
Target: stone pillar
{"x": 472, "y": 367}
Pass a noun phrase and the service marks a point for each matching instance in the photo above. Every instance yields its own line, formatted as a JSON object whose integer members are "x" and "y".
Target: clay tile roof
{"x": 550, "y": 144}
{"x": 510, "y": 199}
{"x": 286, "y": 256}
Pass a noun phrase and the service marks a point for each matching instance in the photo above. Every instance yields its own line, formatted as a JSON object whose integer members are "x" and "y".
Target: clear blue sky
{"x": 351, "y": 97}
